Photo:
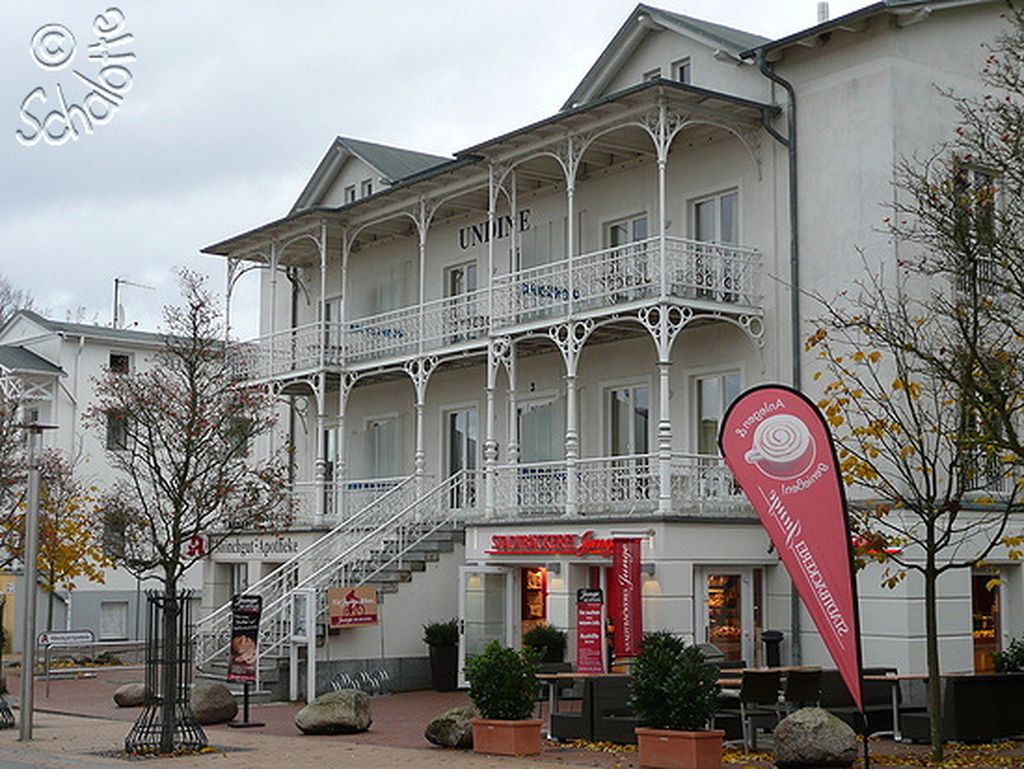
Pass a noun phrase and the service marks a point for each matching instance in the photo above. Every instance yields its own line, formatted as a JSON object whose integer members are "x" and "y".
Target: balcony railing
{"x": 620, "y": 486}
{"x": 339, "y": 499}
{"x": 697, "y": 272}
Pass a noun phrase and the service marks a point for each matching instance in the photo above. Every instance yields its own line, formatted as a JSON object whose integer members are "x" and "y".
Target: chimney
{"x": 822, "y": 12}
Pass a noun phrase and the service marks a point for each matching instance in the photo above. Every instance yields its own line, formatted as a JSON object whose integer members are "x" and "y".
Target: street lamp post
{"x": 28, "y": 630}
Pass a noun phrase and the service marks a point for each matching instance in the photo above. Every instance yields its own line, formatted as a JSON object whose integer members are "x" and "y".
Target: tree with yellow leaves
{"x": 922, "y": 363}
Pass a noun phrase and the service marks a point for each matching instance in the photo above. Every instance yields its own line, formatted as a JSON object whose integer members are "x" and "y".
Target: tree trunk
{"x": 932, "y": 636}
{"x": 169, "y": 674}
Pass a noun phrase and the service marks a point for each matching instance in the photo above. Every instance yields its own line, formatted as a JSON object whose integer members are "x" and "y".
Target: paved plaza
{"x": 79, "y": 727}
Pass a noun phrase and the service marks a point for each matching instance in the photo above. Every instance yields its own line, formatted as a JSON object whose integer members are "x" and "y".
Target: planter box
{"x": 444, "y": 668}
{"x": 667, "y": 749}
{"x": 506, "y": 738}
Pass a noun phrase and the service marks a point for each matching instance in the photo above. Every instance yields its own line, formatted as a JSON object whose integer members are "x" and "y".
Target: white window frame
{"x": 121, "y": 354}
{"x": 390, "y": 416}
{"x": 443, "y": 413}
{"x": 350, "y": 194}
{"x": 104, "y": 634}
{"x": 606, "y": 387}
{"x": 694, "y": 378}
{"x": 365, "y": 188}
{"x": 716, "y": 195}
{"x": 651, "y": 74}
{"x": 677, "y": 69}
{"x": 536, "y": 399}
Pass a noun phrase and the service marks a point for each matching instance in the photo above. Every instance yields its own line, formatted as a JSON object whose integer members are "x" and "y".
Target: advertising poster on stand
{"x": 589, "y": 630}
{"x": 243, "y": 654}
{"x": 627, "y": 586}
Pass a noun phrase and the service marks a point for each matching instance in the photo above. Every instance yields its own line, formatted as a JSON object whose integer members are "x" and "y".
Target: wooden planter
{"x": 667, "y": 749}
{"x": 506, "y": 738}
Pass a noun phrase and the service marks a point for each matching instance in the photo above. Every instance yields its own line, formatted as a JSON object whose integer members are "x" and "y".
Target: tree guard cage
{"x": 168, "y": 679}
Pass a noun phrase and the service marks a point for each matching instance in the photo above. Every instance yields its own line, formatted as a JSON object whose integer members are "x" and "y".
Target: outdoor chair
{"x": 802, "y": 689}
{"x": 758, "y": 704}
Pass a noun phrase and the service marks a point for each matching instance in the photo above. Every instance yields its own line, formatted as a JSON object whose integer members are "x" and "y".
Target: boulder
{"x": 130, "y": 696}
{"x": 213, "y": 703}
{"x": 813, "y": 737}
{"x": 452, "y": 729}
{"x": 342, "y": 712}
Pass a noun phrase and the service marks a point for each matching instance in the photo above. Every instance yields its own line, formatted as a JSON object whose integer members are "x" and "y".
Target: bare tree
{"x": 181, "y": 428}
{"x": 12, "y": 299}
{"x": 924, "y": 364}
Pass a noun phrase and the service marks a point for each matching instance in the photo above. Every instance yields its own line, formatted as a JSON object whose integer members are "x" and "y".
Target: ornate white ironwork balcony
{"x": 708, "y": 276}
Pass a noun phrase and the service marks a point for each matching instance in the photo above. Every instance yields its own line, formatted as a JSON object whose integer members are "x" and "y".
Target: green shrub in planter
{"x": 547, "y": 641}
{"x": 1011, "y": 659}
{"x": 441, "y": 633}
{"x": 503, "y": 682}
{"x": 673, "y": 687}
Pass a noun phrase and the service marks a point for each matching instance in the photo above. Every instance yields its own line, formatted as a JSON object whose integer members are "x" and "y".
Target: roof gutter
{"x": 789, "y": 142}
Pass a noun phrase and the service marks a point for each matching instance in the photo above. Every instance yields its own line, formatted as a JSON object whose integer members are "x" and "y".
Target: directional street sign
{"x": 66, "y": 638}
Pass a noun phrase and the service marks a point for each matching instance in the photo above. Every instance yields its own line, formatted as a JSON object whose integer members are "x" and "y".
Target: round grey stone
{"x": 130, "y": 695}
{"x": 452, "y": 729}
{"x": 342, "y": 712}
{"x": 813, "y": 737}
{"x": 213, "y": 703}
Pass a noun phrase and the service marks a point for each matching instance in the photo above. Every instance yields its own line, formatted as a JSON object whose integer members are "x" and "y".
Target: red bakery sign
{"x": 550, "y": 544}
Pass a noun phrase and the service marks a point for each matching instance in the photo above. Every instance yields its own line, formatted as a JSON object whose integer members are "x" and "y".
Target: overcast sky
{"x": 232, "y": 104}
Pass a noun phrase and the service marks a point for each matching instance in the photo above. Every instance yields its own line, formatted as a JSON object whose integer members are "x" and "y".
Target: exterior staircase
{"x": 383, "y": 546}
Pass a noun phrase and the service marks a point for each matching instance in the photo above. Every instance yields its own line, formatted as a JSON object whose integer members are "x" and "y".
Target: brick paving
{"x": 79, "y": 726}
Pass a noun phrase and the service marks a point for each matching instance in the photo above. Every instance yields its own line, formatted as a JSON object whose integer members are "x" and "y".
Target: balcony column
{"x": 570, "y": 205}
{"x": 343, "y": 310}
{"x": 320, "y": 467}
{"x": 490, "y": 440}
{"x": 662, "y": 149}
{"x": 323, "y": 293}
{"x": 492, "y": 198}
{"x": 421, "y": 226}
{"x": 229, "y": 284}
{"x": 512, "y": 453}
{"x": 572, "y": 443}
{"x": 419, "y": 371}
{"x": 341, "y": 462}
{"x": 664, "y": 439}
{"x": 272, "y": 320}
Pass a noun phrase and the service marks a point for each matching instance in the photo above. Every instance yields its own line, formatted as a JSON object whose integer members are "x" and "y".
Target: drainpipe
{"x": 789, "y": 142}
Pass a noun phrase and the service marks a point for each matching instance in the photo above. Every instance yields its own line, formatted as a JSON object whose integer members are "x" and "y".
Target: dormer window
{"x": 120, "y": 363}
{"x": 366, "y": 189}
{"x": 681, "y": 70}
{"x": 653, "y": 74}
{"x": 350, "y": 193}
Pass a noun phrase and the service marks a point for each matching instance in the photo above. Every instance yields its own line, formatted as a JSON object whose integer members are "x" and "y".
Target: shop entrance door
{"x": 485, "y": 611}
{"x": 731, "y": 612}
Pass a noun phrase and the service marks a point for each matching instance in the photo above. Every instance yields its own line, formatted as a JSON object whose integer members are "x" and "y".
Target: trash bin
{"x": 772, "y": 640}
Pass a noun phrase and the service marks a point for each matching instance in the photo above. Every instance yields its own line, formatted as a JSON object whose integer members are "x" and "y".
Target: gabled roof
{"x": 391, "y": 164}
{"x": 643, "y": 20}
{"x": 96, "y": 332}
{"x": 906, "y": 12}
{"x": 16, "y": 359}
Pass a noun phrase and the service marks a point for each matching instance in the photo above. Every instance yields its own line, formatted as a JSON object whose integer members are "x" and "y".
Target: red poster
{"x": 627, "y": 587}
{"x": 589, "y": 631}
{"x": 779, "y": 448}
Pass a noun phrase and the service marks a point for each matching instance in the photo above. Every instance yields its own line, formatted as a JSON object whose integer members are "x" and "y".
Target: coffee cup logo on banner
{"x": 783, "y": 447}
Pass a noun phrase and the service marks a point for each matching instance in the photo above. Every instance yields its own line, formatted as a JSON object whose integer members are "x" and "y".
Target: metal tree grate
{"x": 147, "y": 732}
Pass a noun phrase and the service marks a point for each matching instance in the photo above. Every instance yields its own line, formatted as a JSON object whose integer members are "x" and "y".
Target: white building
{"x": 567, "y": 374}
{"x": 53, "y": 365}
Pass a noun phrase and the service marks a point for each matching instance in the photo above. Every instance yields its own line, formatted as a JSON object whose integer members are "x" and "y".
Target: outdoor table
{"x": 552, "y": 680}
{"x": 894, "y": 685}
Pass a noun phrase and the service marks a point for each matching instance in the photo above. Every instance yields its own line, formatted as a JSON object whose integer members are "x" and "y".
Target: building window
{"x": 629, "y": 420}
{"x": 975, "y": 229}
{"x": 714, "y": 394}
{"x": 681, "y": 70}
{"x": 985, "y": 619}
{"x": 120, "y": 363}
{"x": 239, "y": 430}
{"x": 113, "y": 620}
{"x": 653, "y": 74}
{"x": 350, "y": 193}
{"x": 716, "y": 218}
{"x": 366, "y": 188}
{"x": 382, "y": 445}
{"x": 117, "y": 431}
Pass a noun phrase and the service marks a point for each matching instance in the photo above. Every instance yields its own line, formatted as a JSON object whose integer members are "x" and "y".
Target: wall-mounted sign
{"x": 259, "y": 547}
{"x": 476, "y": 234}
{"x": 243, "y": 654}
{"x": 550, "y": 544}
{"x": 589, "y": 630}
{"x": 66, "y": 638}
{"x": 352, "y": 607}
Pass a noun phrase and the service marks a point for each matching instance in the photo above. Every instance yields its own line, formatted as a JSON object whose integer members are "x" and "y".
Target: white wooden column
{"x": 421, "y": 226}
{"x": 570, "y": 207}
{"x": 662, "y": 149}
{"x": 273, "y": 304}
{"x": 664, "y": 439}
{"x": 323, "y": 294}
{"x": 320, "y": 466}
{"x": 512, "y": 453}
{"x": 572, "y": 442}
{"x": 490, "y": 441}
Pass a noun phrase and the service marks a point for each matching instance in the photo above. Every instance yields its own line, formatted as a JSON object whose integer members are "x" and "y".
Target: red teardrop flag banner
{"x": 780, "y": 450}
